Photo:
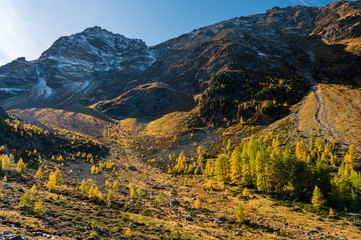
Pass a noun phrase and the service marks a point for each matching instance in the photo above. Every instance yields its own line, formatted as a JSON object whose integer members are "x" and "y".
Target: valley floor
{"x": 164, "y": 207}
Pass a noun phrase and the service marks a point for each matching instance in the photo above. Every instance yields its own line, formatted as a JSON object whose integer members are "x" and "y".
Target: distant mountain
{"x": 94, "y": 63}
{"x": 123, "y": 77}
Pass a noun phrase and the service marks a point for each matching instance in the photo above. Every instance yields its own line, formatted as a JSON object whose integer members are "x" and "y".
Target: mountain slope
{"x": 92, "y": 64}
{"x": 329, "y": 110}
{"x": 123, "y": 77}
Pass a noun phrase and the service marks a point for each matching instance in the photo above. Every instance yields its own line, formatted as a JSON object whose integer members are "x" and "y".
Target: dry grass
{"x": 307, "y": 114}
{"x": 352, "y": 45}
{"x": 266, "y": 216}
{"x": 336, "y": 112}
{"x": 343, "y": 109}
{"x": 72, "y": 121}
{"x": 169, "y": 125}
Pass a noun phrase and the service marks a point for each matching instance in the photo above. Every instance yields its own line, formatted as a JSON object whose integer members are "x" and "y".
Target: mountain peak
{"x": 95, "y": 41}
{"x": 97, "y": 31}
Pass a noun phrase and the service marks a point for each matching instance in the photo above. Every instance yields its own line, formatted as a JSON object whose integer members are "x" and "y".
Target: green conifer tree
{"x": 318, "y": 199}
{"x": 241, "y": 213}
{"x": 25, "y": 200}
{"x": 221, "y": 170}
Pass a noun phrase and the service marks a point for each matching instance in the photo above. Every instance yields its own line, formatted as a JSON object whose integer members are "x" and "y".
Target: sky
{"x": 28, "y": 28}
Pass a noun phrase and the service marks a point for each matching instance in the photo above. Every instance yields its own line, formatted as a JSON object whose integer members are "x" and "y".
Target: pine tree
{"x": 93, "y": 232}
{"x": 200, "y": 162}
{"x": 208, "y": 171}
{"x": 108, "y": 165}
{"x": 6, "y": 166}
{"x": 198, "y": 203}
{"x": 318, "y": 199}
{"x": 180, "y": 167}
{"x": 20, "y": 166}
{"x": 83, "y": 186}
{"x": 39, "y": 173}
{"x": 101, "y": 166}
{"x": 300, "y": 149}
{"x": 139, "y": 192}
{"x": 221, "y": 170}
{"x": 186, "y": 181}
{"x": 209, "y": 185}
{"x": 331, "y": 213}
{"x": 33, "y": 189}
{"x": 25, "y": 200}
{"x": 116, "y": 186}
{"x": 92, "y": 169}
{"x": 128, "y": 232}
{"x": 51, "y": 184}
{"x": 236, "y": 166}
{"x": 59, "y": 179}
{"x": 241, "y": 213}
{"x": 245, "y": 193}
{"x": 241, "y": 121}
{"x": 98, "y": 194}
{"x": 159, "y": 199}
{"x": 201, "y": 151}
{"x": 39, "y": 208}
{"x": 132, "y": 192}
{"x": 260, "y": 171}
{"x": 229, "y": 144}
{"x": 91, "y": 193}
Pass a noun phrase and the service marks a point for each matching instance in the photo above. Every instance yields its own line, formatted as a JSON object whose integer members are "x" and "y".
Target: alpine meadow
{"x": 249, "y": 128}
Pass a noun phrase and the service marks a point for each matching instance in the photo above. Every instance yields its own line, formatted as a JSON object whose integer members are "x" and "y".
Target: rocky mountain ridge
{"x": 124, "y": 77}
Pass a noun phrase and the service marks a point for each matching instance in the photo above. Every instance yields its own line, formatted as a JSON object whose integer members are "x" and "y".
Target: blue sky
{"x": 27, "y": 28}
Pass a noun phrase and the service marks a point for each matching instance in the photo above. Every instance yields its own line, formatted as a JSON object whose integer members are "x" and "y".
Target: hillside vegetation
{"x": 246, "y": 129}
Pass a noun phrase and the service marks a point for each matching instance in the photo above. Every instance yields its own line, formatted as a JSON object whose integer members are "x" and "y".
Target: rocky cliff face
{"x": 339, "y": 21}
{"x": 124, "y": 77}
{"x": 92, "y": 64}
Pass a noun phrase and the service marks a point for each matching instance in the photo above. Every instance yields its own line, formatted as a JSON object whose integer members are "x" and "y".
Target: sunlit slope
{"x": 86, "y": 123}
{"x": 330, "y": 110}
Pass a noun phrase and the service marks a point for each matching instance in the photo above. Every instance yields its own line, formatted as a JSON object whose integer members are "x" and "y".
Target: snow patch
{"x": 42, "y": 88}
{"x": 262, "y": 54}
{"x": 214, "y": 30}
{"x": 11, "y": 89}
{"x": 152, "y": 57}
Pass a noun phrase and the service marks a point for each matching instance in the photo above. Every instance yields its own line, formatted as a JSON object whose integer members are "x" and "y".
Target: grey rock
{"x": 174, "y": 203}
{"x": 132, "y": 168}
{"x": 189, "y": 217}
{"x": 158, "y": 187}
{"x": 17, "y": 237}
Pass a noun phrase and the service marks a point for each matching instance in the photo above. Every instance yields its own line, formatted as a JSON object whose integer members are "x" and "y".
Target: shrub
{"x": 25, "y": 200}
{"x": 39, "y": 208}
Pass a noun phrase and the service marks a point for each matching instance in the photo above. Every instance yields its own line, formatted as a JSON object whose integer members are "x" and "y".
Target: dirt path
{"x": 321, "y": 115}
